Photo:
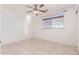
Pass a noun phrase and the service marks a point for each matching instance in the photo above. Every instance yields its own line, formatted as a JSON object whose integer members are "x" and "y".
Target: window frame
{"x": 55, "y": 17}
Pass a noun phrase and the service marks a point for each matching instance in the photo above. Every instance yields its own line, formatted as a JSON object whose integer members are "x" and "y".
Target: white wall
{"x": 13, "y": 26}
{"x": 78, "y": 28}
{"x": 0, "y": 22}
{"x": 67, "y": 35}
{"x": 0, "y": 28}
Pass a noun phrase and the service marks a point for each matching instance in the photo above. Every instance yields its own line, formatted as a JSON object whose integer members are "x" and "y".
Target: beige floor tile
{"x": 36, "y": 46}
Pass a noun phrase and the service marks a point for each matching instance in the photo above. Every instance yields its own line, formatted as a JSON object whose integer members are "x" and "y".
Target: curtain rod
{"x": 53, "y": 17}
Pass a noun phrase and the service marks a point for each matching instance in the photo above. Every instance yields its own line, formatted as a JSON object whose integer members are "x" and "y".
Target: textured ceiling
{"x": 51, "y": 7}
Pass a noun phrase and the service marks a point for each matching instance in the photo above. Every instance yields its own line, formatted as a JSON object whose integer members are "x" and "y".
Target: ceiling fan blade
{"x": 35, "y": 7}
{"x": 41, "y": 5}
{"x": 44, "y": 11}
{"x": 30, "y": 7}
{"x": 29, "y": 11}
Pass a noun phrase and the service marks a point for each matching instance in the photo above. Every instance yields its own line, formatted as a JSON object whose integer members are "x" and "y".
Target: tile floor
{"x": 36, "y": 46}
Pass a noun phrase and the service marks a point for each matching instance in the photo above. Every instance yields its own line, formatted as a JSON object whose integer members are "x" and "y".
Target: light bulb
{"x": 35, "y": 12}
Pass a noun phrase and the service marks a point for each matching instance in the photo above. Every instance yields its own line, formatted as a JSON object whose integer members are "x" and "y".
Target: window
{"x": 56, "y": 21}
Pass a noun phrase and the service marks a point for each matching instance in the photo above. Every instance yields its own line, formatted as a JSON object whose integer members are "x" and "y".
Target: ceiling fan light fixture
{"x": 37, "y": 9}
{"x": 36, "y": 12}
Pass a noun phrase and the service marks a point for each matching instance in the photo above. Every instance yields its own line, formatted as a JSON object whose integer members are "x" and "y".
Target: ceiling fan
{"x": 37, "y": 8}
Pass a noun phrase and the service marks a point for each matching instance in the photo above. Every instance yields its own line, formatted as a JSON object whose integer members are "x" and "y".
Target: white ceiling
{"x": 51, "y": 7}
